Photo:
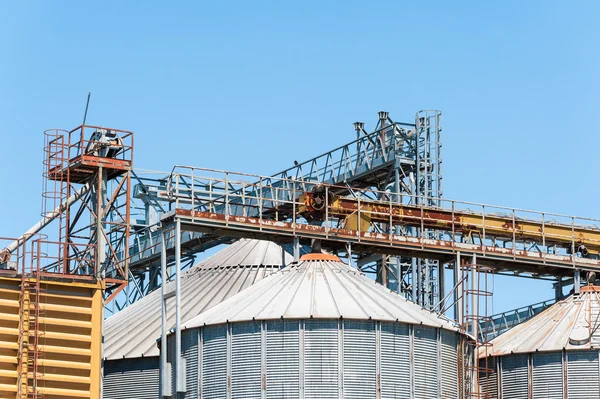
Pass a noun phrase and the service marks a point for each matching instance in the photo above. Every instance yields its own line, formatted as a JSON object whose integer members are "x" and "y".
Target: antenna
{"x": 87, "y": 104}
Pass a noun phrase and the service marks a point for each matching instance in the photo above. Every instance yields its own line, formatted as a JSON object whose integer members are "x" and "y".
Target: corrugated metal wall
{"x": 321, "y": 375}
{"x": 360, "y": 357}
{"x": 515, "y": 377}
{"x": 283, "y": 359}
{"x": 449, "y": 365}
{"x": 9, "y": 336}
{"x": 325, "y": 359}
{"x": 395, "y": 361}
{"x": 246, "y": 365}
{"x": 214, "y": 362}
{"x": 488, "y": 376}
{"x": 131, "y": 378}
{"x": 547, "y": 376}
{"x": 189, "y": 352}
{"x": 541, "y": 375}
{"x": 70, "y": 337}
{"x": 582, "y": 375}
{"x": 426, "y": 363}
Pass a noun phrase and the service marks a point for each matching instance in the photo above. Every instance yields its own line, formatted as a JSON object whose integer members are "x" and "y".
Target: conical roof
{"x": 132, "y": 332}
{"x": 571, "y": 324}
{"x": 319, "y": 287}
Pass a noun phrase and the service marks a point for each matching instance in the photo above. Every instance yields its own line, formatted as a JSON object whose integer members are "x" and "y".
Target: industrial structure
{"x": 318, "y": 329}
{"x": 52, "y": 288}
{"x": 553, "y": 355}
{"x": 377, "y": 203}
{"x": 131, "y": 357}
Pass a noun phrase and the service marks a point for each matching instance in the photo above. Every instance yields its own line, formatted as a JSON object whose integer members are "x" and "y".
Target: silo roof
{"x": 571, "y": 324}
{"x": 132, "y": 332}
{"x": 319, "y": 288}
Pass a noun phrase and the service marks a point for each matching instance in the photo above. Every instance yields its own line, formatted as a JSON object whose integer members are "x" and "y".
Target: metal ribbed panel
{"x": 189, "y": 351}
{"x": 488, "y": 380}
{"x": 547, "y": 375}
{"x": 582, "y": 375}
{"x": 171, "y": 360}
{"x": 449, "y": 365}
{"x": 321, "y": 359}
{"x": 246, "y": 373}
{"x": 395, "y": 361}
{"x": 426, "y": 359}
{"x": 515, "y": 377}
{"x": 214, "y": 363}
{"x": 359, "y": 370}
{"x": 131, "y": 378}
{"x": 283, "y": 359}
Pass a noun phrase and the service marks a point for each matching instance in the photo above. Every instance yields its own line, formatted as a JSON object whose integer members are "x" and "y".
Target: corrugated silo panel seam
{"x": 340, "y": 359}
{"x": 136, "y": 378}
{"x": 215, "y": 368}
{"x": 547, "y": 376}
{"x": 246, "y": 371}
{"x": 200, "y": 361}
{"x": 378, "y": 358}
{"x": 263, "y": 360}
{"x": 321, "y": 359}
{"x": 395, "y": 361}
{"x": 488, "y": 381}
{"x": 583, "y": 375}
{"x": 282, "y": 359}
{"x": 515, "y": 379}
{"x": 190, "y": 354}
{"x": 449, "y": 365}
{"x": 359, "y": 359}
{"x": 425, "y": 360}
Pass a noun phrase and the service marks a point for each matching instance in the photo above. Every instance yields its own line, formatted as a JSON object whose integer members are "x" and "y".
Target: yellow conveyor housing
{"x": 69, "y": 330}
{"x": 465, "y": 222}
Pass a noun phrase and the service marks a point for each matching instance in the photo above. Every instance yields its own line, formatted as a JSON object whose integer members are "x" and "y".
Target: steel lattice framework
{"x": 384, "y": 161}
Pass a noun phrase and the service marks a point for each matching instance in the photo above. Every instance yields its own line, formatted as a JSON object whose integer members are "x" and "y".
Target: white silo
{"x": 319, "y": 329}
{"x": 131, "y": 365}
{"x": 553, "y": 355}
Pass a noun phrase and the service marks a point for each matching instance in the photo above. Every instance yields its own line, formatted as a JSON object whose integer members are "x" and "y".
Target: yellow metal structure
{"x": 68, "y": 324}
{"x": 466, "y": 223}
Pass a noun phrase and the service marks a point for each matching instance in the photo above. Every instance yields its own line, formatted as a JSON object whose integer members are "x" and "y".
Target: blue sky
{"x": 253, "y": 86}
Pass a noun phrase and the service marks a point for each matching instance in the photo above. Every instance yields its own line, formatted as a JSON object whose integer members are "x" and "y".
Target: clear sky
{"x": 252, "y": 86}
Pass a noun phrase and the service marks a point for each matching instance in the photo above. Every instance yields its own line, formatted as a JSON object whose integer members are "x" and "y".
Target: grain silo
{"x": 130, "y": 353}
{"x": 319, "y": 329}
{"x": 553, "y": 355}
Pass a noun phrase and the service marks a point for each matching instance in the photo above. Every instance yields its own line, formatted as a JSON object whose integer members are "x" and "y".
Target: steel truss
{"x": 384, "y": 160}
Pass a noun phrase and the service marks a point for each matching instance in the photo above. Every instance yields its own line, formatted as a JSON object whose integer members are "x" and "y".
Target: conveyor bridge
{"x": 234, "y": 204}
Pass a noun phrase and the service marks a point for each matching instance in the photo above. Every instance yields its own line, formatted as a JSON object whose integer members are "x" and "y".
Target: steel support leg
{"x": 577, "y": 282}
{"x": 179, "y": 370}
{"x": 458, "y": 291}
{"x": 165, "y": 386}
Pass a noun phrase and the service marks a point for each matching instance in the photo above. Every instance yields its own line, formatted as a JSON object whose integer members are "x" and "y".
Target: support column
{"x": 441, "y": 284}
{"x": 558, "y": 289}
{"x": 179, "y": 369}
{"x": 458, "y": 291}
{"x": 577, "y": 282}
{"x": 415, "y": 292}
{"x": 474, "y": 298}
{"x": 165, "y": 385}
{"x": 296, "y": 249}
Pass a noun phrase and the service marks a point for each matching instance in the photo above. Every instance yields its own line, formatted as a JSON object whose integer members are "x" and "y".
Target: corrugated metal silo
{"x": 319, "y": 329}
{"x": 553, "y": 355}
{"x": 131, "y": 357}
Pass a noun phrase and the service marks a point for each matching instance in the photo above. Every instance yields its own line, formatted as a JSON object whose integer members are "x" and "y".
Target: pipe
{"x": 46, "y": 220}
